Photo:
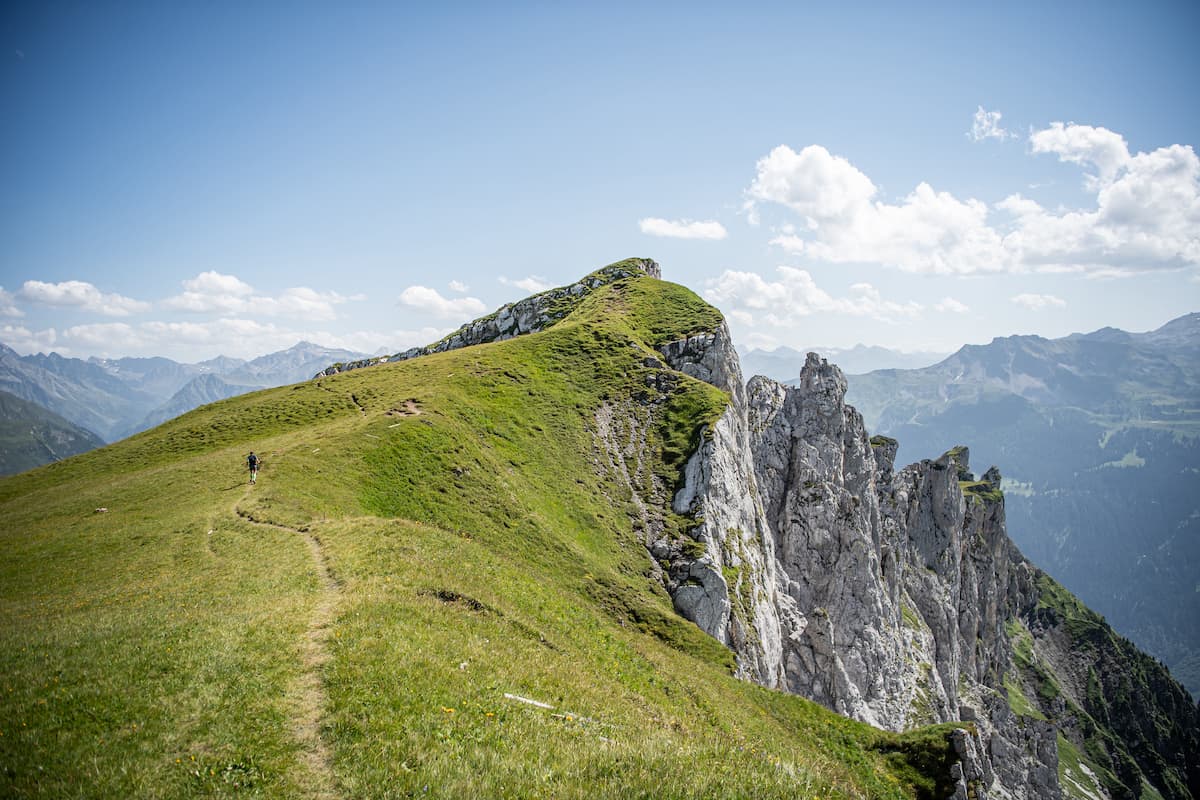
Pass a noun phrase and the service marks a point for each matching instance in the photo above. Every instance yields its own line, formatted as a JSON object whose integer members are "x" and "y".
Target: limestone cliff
{"x": 896, "y": 596}
{"x": 893, "y": 596}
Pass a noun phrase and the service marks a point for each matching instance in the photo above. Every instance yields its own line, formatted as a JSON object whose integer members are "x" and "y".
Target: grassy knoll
{"x": 428, "y": 540}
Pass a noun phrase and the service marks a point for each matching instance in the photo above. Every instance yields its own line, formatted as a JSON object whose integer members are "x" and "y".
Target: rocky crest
{"x": 533, "y": 314}
{"x": 891, "y": 596}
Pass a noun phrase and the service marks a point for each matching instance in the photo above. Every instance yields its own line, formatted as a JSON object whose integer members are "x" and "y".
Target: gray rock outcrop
{"x": 893, "y": 596}
{"x": 881, "y": 594}
{"x": 533, "y": 314}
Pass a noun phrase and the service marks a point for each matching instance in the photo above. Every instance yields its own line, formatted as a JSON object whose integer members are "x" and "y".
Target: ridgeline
{"x": 564, "y": 552}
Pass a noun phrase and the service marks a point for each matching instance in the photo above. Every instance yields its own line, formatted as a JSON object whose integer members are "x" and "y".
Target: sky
{"x": 200, "y": 179}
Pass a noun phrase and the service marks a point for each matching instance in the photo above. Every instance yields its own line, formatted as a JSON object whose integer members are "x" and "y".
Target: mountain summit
{"x": 563, "y": 552}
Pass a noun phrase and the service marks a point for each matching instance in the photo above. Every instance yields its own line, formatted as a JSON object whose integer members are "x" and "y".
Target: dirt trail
{"x": 308, "y": 692}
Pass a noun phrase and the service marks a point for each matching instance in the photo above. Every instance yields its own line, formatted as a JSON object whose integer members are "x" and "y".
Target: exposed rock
{"x": 530, "y": 315}
{"x": 886, "y": 595}
{"x": 893, "y": 596}
{"x": 719, "y": 490}
{"x": 973, "y": 770}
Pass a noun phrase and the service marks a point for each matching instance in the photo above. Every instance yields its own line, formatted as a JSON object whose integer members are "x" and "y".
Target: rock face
{"x": 730, "y": 591}
{"x": 891, "y": 596}
{"x": 530, "y": 315}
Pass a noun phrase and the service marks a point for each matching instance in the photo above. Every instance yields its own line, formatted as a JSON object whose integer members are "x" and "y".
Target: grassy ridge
{"x": 164, "y": 648}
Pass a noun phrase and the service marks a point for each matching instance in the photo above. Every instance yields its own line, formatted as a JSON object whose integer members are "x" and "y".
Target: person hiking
{"x": 252, "y": 462}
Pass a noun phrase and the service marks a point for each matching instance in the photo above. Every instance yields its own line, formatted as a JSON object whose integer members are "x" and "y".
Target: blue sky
{"x": 193, "y": 179}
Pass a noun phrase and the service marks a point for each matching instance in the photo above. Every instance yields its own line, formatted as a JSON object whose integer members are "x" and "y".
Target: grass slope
{"x": 430, "y": 545}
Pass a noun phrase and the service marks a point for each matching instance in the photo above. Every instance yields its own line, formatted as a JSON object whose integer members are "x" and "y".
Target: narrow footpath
{"x": 308, "y": 692}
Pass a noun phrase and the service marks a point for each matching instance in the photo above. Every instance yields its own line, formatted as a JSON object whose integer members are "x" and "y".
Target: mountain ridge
{"x": 490, "y": 632}
{"x": 118, "y": 397}
{"x": 784, "y": 363}
{"x": 30, "y": 435}
{"x": 531, "y": 519}
{"x": 725, "y": 587}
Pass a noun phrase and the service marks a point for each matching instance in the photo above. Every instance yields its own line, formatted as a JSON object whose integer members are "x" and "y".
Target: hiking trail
{"x": 308, "y": 692}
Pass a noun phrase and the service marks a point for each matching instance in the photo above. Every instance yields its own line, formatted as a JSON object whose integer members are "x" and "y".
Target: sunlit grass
{"x": 156, "y": 649}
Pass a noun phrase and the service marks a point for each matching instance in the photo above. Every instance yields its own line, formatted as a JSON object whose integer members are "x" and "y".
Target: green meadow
{"x": 434, "y": 590}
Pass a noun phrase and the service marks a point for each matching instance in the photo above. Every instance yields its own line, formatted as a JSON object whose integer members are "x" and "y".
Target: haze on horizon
{"x": 195, "y": 180}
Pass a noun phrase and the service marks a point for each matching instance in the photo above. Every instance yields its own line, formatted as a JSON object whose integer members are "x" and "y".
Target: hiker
{"x": 252, "y": 461}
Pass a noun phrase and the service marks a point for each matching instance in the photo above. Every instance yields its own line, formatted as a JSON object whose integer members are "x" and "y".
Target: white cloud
{"x": 790, "y": 242}
{"x": 1084, "y": 145}
{"x": 25, "y": 341}
{"x": 227, "y": 294}
{"x": 215, "y": 283}
{"x": 949, "y": 304}
{"x": 426, "y": 299}
{"x": 1146, "y": 214}
{"x": 813, "y": 183}
{"x": 458, "y": 286}
{"x": 531, "y": 283}
{"x": 81, "y": 295}
{"x": 190, "y": 341}
{"x": 683, "y": 228}
{"x": 8, "y": 305}
{"x": 752, "y": 300}
{"x": 928, "y": 232}
{"x": 212, "y": 291}
{"x": 299, "y": 301}
{"x": 1038, "y": 302}
{"x": 986, "y": 125}
{"x": 102, "y": 336}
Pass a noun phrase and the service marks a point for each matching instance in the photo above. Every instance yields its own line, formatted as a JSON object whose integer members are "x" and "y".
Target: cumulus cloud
{"x": 459, "y": 286}
{"x": 986, "y": 125}
{"x": 789, "y": 242}
{"x": 8, "y": 305}
{"x": 232, "y": 336}
{"x": 814, "y": 183}
{"x": 26, "y": 341}
{"x": 949, "y": 304}
{"x": 300, "y": 301}
{"x": 531, "y": 283}
{"x": 1038, "y": 302}
{"x": 103, "y": 336}
{"x": 751, "y": 299}
{"x": 1146, "y": 214}
{"x": 81, "y": 295}
{"x": 427, "y": 299}
{"x": 212, "y": 291}
{"x": 227, "y": 294}
{"x": 683, "y": 228}
{"x": 928, "y": 231}
{"x": 1084, "y": 145}
{"x": 189, "y": 341}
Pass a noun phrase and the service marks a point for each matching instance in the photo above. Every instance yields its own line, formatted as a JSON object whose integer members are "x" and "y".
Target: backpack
{"x": 253, "y": 459}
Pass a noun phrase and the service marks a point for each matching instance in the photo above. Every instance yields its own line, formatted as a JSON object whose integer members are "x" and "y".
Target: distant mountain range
{"x": 30, "y": 436}
{"x": 784, "y": 363}
{"x": 114, "y": 398}
{"x": 1098, "y": 437}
